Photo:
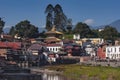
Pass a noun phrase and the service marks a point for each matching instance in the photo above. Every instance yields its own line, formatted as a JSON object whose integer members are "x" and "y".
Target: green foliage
{"x": 94, "y": 33}
{"x": 50, "y": 16}
{"x": 25, "y": 30}
{"x": 69, "y": 26}
{"x": 2, "y": 23}
{"x": 42, "y": 34}
{"x": 55, "y": 16}
{"x": 82, "y": 29}
{"x": 68, "y": 36}
{"x": 109, "y": 33}
{"x": 12, "y": 31}
{"x": 81, "y": 72}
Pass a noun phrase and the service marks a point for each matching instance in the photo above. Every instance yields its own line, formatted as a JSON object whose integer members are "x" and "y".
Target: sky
{"x": 92, "y": 12}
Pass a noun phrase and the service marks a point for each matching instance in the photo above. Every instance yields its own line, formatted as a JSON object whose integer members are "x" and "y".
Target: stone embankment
{"x": 42, "y": 70}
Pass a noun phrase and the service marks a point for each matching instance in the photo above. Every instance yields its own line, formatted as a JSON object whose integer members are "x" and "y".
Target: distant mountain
{"x": 116, "y": 24}
{"x": 98, "y": 27}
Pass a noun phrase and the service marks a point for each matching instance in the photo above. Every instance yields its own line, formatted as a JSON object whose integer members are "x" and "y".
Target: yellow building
{"x": 93, "y": 40}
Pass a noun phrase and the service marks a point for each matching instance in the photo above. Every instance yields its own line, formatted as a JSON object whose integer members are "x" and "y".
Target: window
{"x": 115, "y": 49}
{"x": 56, "y": 49}
{"x": 53, "y": 49}
{"x": 108, "y": 55}
{"x": 108, "y": 50}
{"x": 111, "y": 49}
{"x": 117, "y": 55}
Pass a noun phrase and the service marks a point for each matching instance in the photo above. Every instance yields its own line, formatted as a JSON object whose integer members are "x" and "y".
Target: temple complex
{"x": 53, "y": 36}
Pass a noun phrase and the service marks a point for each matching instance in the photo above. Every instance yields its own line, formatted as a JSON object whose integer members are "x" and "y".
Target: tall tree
{"x": 55, "y": 16}
{"x": 60, "y": 19}
{"x": 95, "y": 33}
{"x": 69, "y": 25}
{"x": 82, "y": 29}
{"x": 2, "y": 23}
{"x": 25, "y": 30}
{"x": 12, "y": 31}
{"x": 50, "y": 16}
{"x": 109, "y": 33}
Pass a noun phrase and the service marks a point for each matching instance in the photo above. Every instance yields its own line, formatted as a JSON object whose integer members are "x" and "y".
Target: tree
{"x": 50, "y": 16}
{"x": 2, "y": 23}
{"x": 55, "y": 16}
{"x": 109, "y": 33}
{"x": 25, "y": 30}
{"x": 60, "y": 19}
{"x": 82, "y": 29}
{"x": 93, "y": 33}
{"x": 69, "y": 26}
{"x": 12, "y": 31}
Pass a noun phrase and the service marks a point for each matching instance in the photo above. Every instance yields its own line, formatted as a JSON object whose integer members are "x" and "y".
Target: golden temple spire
{"x": 53, "y": 28}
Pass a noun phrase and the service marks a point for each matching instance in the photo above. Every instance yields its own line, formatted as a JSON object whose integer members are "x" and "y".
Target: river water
{"x": 53, "y": 77}
{"x": 23, "y": 76}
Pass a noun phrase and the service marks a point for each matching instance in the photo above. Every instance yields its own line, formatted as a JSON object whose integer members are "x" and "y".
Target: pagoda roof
{"x": 52, "y": 39}
{"x": 53, "y": 31}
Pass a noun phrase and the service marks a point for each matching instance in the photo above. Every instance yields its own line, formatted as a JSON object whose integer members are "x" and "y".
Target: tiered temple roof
{"x": 53, "y": 35}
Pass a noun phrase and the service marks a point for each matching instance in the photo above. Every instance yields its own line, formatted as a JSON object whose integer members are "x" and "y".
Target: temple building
{"x": 54, "y": 40}
{"x": 53, "y": 36}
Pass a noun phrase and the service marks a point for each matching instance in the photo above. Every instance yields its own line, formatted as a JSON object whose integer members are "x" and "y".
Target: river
{"x": 53, "y": 77}
{"x": 24, "y": 76}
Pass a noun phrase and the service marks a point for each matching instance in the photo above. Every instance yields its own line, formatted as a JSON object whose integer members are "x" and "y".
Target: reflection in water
{"x": 52, "y": 77}
{"x": 22, "y": 76}
{"x": 19, "y": 76}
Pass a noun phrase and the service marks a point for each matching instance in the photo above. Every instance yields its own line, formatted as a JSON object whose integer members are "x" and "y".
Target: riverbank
{"x": 37, "y": 70}
{"x": 84, "y": 72}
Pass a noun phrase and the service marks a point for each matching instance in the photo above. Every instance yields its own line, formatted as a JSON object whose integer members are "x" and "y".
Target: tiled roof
{"x": 48, "y": 45}
{"x": 35, "y": 47}
{"x": 6, "y": 36}
{"x": 52, "y": 39}
{"x": 13, "y": 45}
{"x": 53, "y": 32}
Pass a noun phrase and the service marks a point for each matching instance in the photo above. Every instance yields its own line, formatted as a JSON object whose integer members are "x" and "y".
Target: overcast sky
{"x": 92, "y": 12}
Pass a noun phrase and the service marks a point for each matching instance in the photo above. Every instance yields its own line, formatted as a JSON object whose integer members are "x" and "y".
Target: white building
{"x": 54, "y": 47}
{"x": 113, "y": 52}
{"x": 76, "y": 36}
{"x": 90, "y": 50}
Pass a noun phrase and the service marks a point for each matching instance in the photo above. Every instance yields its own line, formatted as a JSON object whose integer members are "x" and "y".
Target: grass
{"x": 68, "y": 36}
{"x": 80, "y": 72}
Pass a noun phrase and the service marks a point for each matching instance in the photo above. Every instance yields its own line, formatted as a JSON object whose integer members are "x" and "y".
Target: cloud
{"x": 89, "y": 21}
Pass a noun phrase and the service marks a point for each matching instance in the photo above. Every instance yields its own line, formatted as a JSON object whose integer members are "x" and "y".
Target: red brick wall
{"x": 101, "y": 53}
